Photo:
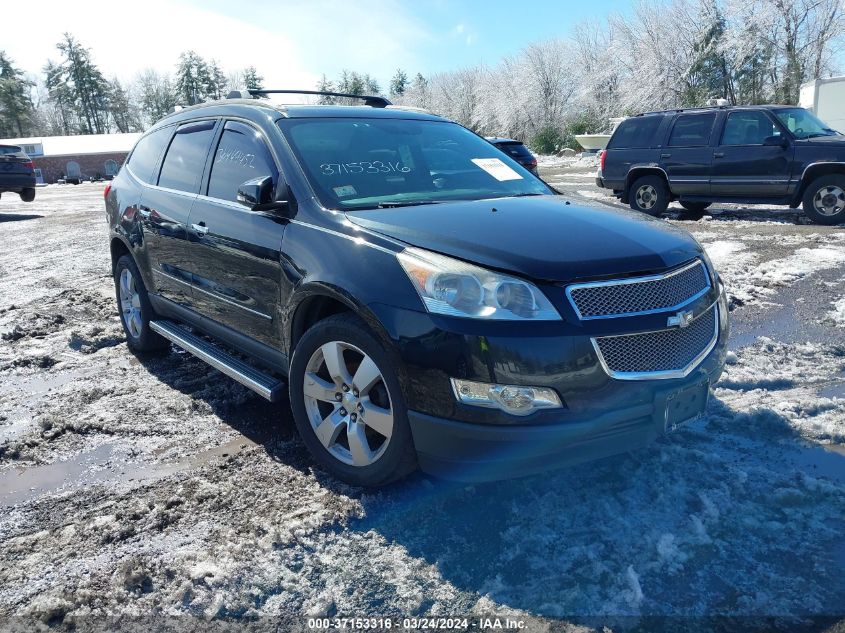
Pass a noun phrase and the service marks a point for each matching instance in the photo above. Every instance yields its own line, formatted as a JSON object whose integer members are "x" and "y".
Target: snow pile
{"x": 837, "y": 315}
{"x": 549, "y": 161}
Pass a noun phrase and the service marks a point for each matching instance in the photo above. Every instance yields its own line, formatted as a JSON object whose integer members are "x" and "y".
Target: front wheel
{"x": 650, "y": 195}
{"x": 824, "y": 200}
{"x": 348, "y": 405}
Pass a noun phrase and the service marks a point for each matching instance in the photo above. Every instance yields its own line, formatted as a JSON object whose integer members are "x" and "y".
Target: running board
{"x": 261, "y": 383}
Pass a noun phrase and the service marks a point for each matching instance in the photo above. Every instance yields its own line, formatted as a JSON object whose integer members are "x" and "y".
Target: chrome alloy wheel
{"x": 829, "y": 200}
{"x": 130, "y": 303}
{"x": 646, "y": 197}
{"x": 347, "y": 402}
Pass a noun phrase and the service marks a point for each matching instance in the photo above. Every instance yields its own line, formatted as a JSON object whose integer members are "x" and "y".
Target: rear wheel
{"x": 650, "y": 195}
{"x": 28, "y": 195}
{"x": 693, "y": 210}
{"x": 824, "y": 199}
{"x": 348, "y": 405}
{"x": 136, "y": 312}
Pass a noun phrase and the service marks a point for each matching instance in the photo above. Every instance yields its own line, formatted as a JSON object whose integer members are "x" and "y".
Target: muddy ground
{"x": 135, "y": 486}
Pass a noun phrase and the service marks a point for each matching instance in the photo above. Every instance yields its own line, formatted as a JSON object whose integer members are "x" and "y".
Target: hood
{"x": 827, "y": 141}
{"x": 542, "y": 238}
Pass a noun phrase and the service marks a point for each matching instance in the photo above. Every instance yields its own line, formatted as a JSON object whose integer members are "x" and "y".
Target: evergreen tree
{"x": 61, "y": 99}
{"x": 399, "y": 83}
{"x": 86, "y": 85}
{"x": 122, "y": 110}
{"x": 217, "y": 86}
{"x": 16, "y": 109}
{"x": 252, "y": 80}
{"x": 157, "y": 95}
{"x": 193, "y": 79}
{"x": 324, "y": 85}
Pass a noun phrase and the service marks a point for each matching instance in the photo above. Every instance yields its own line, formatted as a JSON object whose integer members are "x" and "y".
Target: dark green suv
{"x": 759, "y": 155}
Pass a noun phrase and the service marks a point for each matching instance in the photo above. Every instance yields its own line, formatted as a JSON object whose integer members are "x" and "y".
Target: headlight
{"x": 455, "y": 288}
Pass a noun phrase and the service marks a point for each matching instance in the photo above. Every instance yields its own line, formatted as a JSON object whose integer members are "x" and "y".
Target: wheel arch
{"x": 118, "y": 249}
{"x": 316, "y": 301}
{"x": 640, "y": 171}
{"x": 813, "y": 171}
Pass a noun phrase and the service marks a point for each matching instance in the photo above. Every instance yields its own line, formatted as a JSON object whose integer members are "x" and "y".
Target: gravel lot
{"x": 133, "y": 486}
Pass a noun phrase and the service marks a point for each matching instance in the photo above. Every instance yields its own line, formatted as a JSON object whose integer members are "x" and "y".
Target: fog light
{"x": 513, "y": 399}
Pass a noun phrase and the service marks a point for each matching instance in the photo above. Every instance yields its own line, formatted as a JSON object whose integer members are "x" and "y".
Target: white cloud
{"x": 290, "y": 44}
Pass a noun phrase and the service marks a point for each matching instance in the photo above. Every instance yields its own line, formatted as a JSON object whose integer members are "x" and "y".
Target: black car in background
{"x": 17, "y": 172}
{"x": 760, "y": 155}
{"x": 420, "y": 296}
{"x": 517, "y": 151}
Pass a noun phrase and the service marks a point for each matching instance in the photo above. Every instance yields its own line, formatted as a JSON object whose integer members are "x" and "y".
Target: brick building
{"x": 82, "y": 157}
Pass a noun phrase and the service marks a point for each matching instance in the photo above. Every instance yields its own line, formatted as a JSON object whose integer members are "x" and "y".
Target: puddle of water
{"x": 825, "y": 460}
{"x": 107, "y": 462}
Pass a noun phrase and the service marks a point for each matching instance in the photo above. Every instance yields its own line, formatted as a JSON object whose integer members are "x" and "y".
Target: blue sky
{"x": 293, "y": 42}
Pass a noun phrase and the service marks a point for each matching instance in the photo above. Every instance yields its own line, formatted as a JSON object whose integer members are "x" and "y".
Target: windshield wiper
{"x": 414, "y": 203}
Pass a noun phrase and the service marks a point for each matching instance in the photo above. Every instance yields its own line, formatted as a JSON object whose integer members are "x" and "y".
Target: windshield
{"x": 359, "y": 163}
{"x": 803, "y": 123}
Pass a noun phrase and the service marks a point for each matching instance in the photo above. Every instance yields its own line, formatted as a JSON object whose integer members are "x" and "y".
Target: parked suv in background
{"x": 759, "y": 155}
{"x": 17, "y": 173}
{"x": 517, "y": 151}
{"x": 421, "y": 297}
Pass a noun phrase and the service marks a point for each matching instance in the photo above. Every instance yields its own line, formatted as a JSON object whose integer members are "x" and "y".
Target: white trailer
{"x": 826, "y": 99}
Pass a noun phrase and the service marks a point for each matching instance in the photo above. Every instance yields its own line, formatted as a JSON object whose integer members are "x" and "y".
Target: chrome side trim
{"x": 264, "y": 385}
{"x": 639, "y": 280}
{"x": 662, "y": 375}
{"x": 214, "y": 295}
{"x": 817, "y": 163}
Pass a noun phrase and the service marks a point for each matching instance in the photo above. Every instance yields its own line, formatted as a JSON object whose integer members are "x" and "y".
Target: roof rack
{"x": 373, "y": 101}
{"x": 693, "y": 109}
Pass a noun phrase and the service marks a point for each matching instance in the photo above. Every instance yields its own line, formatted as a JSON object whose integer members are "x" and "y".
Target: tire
{"x": 649, "y": 195}
{"x": 133, "y": 305}
{"x": 28, "y": 194}
{"x": 824, "y": 200}
{"x": 693, "y": 210}
{"x": 382, "y": 448}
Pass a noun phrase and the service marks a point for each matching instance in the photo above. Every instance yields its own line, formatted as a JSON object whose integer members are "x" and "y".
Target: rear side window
{"x": 692, "y": 130}
{"x": 145, "y": 156}
{"x": 241, "y": 155}
{"x": 748, "y": 128}
{"x": 9, "y": 149}
{"x": 185, "y": 159}
{"x": 635, "y": 133}
{"x": 517, "y": 150}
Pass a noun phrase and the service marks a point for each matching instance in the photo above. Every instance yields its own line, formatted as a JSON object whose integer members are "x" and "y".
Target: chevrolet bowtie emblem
{"x": 681, "y": 319}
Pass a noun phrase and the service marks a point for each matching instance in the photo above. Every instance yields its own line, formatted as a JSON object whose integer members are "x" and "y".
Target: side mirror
{"x": 775, "y": 141}
{"x": 258, "y": 195}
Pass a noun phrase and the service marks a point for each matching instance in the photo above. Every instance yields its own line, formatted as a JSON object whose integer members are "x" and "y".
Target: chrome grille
{"x": 666, "y": 353}
{"x": 640, "y": 295}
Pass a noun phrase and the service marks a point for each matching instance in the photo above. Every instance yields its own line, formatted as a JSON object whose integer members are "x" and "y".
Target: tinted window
{"x": 748, "y": 128}
{"x": 692, "y": 130}
{"x": 636, "y": 132}
{"x": 145, "y": 156}
{"x": 185, "y": 159}
{"x": 9, "y": 149}
{"x": 517, "y": 150}
{"x": 241, "y": 155}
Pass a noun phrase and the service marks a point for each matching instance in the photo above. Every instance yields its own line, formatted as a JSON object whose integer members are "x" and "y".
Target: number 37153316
{"x": 363, "y": 167}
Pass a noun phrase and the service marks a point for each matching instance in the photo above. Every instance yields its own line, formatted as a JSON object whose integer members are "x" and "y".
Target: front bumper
{"x": 601, "y": 415}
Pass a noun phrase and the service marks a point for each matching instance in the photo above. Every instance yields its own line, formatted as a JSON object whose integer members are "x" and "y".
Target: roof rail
{"x": 373, "y": 101}
{"x": 705, "y": 107}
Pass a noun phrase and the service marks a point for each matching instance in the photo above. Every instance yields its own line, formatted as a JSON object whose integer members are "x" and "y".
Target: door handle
{"x": 200, "y": 229}
{"x": 144, "y": 212}
{"x": 665, "y": 155}
{"x": 718, "y": 154}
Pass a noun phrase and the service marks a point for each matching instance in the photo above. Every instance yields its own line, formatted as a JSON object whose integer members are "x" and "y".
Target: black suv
{"x": 422, "y": 298}
{"x": 762, "y": 154}
{"x": 517, "y": 151}
{"x": 17, "y": 172}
